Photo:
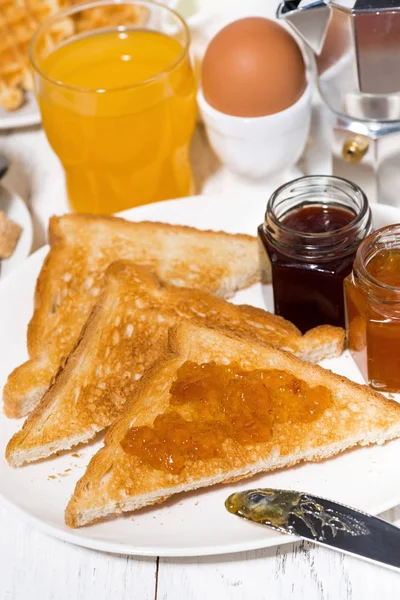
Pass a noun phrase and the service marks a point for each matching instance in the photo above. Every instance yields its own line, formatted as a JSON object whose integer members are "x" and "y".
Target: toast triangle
{"x": 82, "y": 247}
{"x": 116, "y": 481}
{"x": 126, "y": 332}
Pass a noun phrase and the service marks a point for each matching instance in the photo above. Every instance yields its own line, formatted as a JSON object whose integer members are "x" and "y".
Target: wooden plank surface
{"x": 37, "y": 567}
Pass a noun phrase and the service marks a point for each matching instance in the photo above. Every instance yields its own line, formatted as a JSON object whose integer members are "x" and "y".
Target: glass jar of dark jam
{"x": 312, "y": 229}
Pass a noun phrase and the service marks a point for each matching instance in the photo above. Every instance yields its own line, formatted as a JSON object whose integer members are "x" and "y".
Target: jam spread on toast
{"x": 211, "y": 403}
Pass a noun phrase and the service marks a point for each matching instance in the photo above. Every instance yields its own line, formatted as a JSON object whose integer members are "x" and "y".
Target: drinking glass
{"x": 117, "y": 98}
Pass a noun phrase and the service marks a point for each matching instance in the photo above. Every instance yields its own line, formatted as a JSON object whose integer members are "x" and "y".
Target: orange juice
{"x": 120, "y": 117}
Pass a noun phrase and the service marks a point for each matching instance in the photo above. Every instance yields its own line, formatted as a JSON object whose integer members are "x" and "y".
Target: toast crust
{"x": 125, "y": 334}
{"x": 115, "y": 481}
{"x": 69, "y": 284}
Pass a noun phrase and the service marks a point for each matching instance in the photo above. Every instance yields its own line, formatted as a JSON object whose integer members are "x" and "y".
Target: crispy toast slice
{"x": 126, "y": 332}
{"x": 116, "y": 481}
{"x": 82, "y": 247}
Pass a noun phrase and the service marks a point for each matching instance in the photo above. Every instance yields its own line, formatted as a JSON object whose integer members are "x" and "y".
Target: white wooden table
{"x": 36, "y": 567}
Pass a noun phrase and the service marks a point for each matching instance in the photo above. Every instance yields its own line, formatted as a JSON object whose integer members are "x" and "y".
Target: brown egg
{"x": 253, "y": 67}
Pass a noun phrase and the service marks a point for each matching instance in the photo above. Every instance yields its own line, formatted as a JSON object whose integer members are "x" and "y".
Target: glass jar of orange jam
{"x": 372, "y": 297}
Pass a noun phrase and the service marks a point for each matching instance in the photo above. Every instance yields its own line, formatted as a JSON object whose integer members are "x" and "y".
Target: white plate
{"x": 16, "y": 210}
{"x": 25, "y": 116}
{"x": 196, "y": 523}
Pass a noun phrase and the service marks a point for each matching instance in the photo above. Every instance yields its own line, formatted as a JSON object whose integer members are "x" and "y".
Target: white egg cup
{"x": 259, "y": 149}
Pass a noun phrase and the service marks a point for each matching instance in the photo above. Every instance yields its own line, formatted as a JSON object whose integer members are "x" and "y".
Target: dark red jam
{"x": 318, "y": 219}
{"x": 312, "y": 246}
{"x": 307, "y": 293}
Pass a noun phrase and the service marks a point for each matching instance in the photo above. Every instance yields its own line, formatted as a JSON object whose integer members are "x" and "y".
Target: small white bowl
{"x": 258, "y": 147}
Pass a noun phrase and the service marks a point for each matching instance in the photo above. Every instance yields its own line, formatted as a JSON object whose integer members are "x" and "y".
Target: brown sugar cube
{"x": 9, "y": 236}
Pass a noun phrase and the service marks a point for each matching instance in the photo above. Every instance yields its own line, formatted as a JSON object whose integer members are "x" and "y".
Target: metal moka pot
{"x": 357, "y": 49}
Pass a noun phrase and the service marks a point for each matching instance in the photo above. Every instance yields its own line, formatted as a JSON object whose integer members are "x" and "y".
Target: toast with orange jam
{"x": 82, "y": 247}
{"x": 126, "y": 332}
{"x": 216, "y": 409}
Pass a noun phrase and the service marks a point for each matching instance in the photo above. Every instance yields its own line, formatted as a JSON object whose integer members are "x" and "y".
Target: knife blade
{"x": 321, "y": 521}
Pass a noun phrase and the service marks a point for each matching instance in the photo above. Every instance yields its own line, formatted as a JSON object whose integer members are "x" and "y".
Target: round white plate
{"x": 25, "y": 116}
{"x": 188, "y": 524}
{"x": 16, "y": 210}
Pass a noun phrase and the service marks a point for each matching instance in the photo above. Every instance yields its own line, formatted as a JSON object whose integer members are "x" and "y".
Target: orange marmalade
{"x": 212, "y": 403}
{"x": 385, "y": 267}
{"x": 372, "y": 294}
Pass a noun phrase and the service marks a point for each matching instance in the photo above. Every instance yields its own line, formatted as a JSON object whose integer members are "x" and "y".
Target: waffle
{"x": 19, "y": 20}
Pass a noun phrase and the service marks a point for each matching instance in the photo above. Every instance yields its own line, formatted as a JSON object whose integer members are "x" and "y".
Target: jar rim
{"x": 370, "y": 247}
{"x": 317, "y": 190}
{"x": 323, "y": 180}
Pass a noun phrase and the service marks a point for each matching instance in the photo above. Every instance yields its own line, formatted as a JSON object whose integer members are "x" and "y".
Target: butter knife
{"x": 321, "y": 521}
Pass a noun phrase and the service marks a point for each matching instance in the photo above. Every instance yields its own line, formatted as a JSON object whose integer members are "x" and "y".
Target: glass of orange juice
{"x": 117, "y": 98}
